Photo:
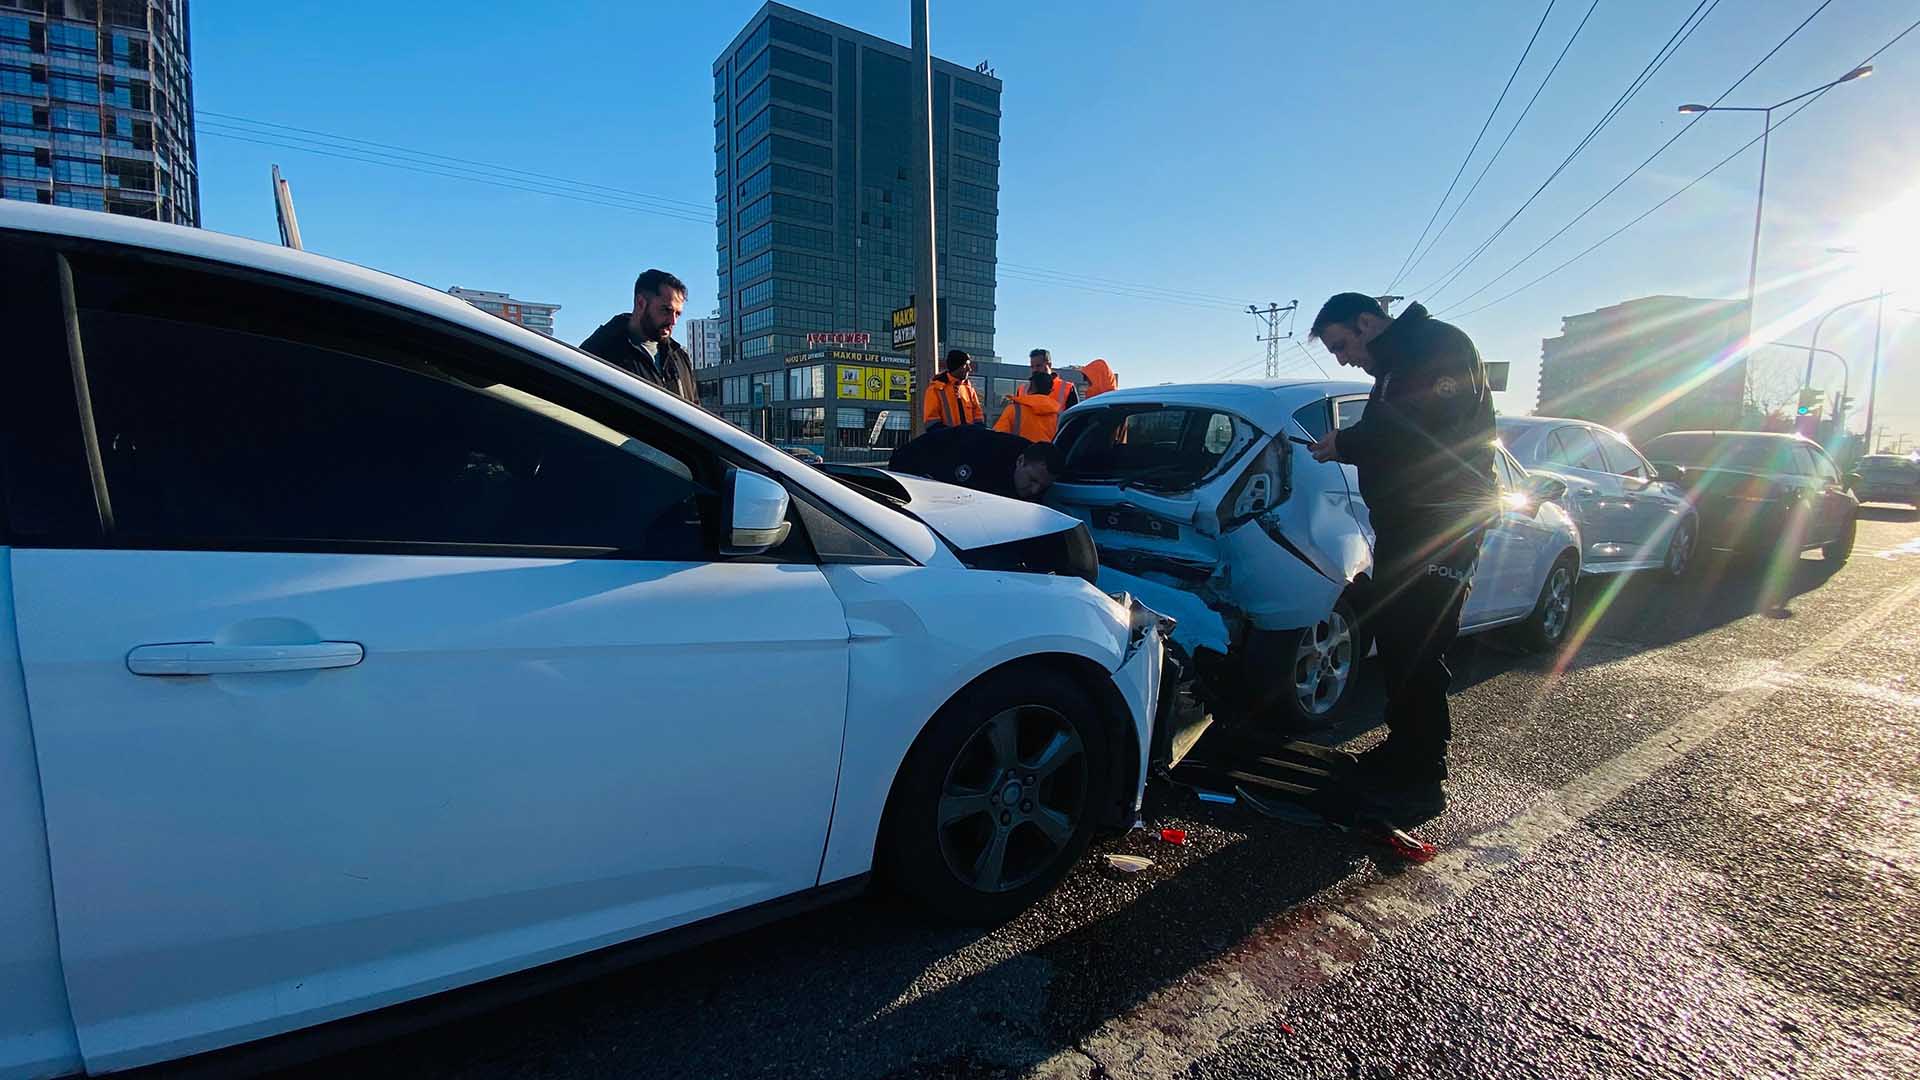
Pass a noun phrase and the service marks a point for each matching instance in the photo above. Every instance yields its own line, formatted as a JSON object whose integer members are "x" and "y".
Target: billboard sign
{"x": 857, "y": 338}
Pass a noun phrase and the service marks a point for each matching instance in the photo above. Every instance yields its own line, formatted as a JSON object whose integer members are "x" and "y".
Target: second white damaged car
{"x": 1204, "y": 503}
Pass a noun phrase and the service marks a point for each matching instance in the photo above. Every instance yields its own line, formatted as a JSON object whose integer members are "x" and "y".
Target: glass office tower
{"x": 813, "y": 168}
{"x": 96, "y": 107}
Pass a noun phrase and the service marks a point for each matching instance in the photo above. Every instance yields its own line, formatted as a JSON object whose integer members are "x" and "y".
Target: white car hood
{"x": 971, "y": 519}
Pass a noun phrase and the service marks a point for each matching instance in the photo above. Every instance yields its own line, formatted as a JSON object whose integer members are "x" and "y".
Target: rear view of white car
{"x": 369, "y": 646}
{"x": 1203, "y": 501}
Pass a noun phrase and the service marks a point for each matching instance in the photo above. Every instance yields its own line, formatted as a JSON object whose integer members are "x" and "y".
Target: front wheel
{"x": 999, "y": 797}
{"x": 1841, "y": 546}
{"x": 1552, "y": 615}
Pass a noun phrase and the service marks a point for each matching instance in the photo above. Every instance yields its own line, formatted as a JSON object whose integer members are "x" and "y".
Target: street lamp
{"x": 1753, "y": 260}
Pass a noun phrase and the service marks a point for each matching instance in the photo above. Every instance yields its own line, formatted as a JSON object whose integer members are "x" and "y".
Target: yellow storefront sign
{"x": 851, "y": 382}
{"x": 874, "y": 383}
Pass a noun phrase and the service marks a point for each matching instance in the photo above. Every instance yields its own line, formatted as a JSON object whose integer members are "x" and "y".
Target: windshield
{"x": 1761, "y": 455}
{"x": 1168, "y": 448}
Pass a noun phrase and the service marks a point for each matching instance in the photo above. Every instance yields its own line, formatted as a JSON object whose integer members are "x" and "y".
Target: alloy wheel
{"x": 1013, "y": 798}
{"x": 1559, "y": 606}
{"x": 1680, "y": 549}
{"x": 1323, "y": 664}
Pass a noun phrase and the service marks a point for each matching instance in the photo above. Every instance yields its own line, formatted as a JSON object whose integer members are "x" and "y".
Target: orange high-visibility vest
{"x": 1033, "y": 417}
{"x": 952, "y": 402}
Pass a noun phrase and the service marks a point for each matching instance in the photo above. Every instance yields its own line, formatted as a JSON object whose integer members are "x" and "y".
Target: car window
{"x": 1510, "y": 477}
{"x": 1575, "y": 448}
{"x": 1347, "y": 412}
{"x": 1168, "y": 447}
{"x": 1807, "y": 462}
{"x": 1621, "y": 458}
{"x": 277, "y": 433}
{"x": 1314, "y": 418}
{"x": 1824, "y": 467}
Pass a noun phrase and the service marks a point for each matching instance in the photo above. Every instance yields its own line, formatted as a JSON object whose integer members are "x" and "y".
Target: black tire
{"x": 1332, "y": 648}
{"x": 962, "y": 766}
{"x": 1841, "y": 547}
{"x": 1546, "y": 628}
{"x": 1682, "y": 548}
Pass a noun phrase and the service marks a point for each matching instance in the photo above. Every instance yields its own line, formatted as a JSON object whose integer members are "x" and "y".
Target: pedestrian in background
{"x": 952, "y": 400}
{"x": 641, "y": 341}
{"x": 1042, "y": 380}
{"x": 1424, "y": 451}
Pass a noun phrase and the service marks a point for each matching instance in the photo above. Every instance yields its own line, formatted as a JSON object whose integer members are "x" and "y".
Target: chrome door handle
{"x": 206, "y": 658}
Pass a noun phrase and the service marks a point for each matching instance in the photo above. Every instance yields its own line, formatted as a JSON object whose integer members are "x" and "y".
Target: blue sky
{"x": 1242, "y": 152}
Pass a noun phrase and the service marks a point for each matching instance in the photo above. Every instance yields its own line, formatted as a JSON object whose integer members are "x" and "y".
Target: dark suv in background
{"x": 1758, "y": 493}
{"x": 1888, "y": 478}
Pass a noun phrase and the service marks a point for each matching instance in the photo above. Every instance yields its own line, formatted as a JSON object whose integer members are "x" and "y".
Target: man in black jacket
{"x": 1424, "y": 451}
{"x": 982, "y": 459}
{"x": 641, "y": 341}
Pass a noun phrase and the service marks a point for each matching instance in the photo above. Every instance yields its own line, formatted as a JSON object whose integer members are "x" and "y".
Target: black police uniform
{"x": 970, "y": 456}
{"x": 1424, "y": 451}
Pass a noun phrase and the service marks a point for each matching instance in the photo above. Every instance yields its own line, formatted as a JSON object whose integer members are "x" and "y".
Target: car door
{"x": 1502, "y": 582}
{"x": 1596, "y": 498}
{"x": 1648, "y": 508}
{"x": 1346, "y": 413}
{"x": 382, "y": 660}
{"x": 1834, "y": 506}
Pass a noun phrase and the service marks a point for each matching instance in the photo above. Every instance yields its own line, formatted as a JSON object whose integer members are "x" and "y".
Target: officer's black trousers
{"x": 1423, "y": 574}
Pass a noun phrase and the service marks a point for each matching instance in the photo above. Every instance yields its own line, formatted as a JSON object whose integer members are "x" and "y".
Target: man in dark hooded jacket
{"x": 641, "y": 341}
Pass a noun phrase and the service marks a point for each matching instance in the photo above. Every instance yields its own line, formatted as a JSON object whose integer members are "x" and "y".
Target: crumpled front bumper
{"x": 1140, "y": 677}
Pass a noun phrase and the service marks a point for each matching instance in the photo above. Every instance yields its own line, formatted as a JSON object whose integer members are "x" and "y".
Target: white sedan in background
{"x": 356, "y": 645}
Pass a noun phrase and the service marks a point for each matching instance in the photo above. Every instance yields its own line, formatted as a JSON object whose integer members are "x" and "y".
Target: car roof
{"x": 1269, "y": 403}
{"x": 1717, "y": 433}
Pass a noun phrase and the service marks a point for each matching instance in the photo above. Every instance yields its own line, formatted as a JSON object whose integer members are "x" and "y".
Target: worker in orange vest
{"x": 1100, "y": 378}
{"x": 1034, "y": 414}
{"x": 952, "y": 400}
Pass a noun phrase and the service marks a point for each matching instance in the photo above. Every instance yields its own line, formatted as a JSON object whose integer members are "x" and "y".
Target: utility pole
{"x": 1387, "y": 302}
{"x": 1270, "y": 318}
{"x": 926, "y": 335}
{"x": 283, "y": 212}
{"x": 1873, "y": 375}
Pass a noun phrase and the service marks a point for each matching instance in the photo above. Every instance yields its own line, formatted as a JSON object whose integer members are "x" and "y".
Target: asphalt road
{"x": 1689, "y": 846}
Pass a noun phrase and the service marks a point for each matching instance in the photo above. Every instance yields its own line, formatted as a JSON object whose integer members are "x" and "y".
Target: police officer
{"x": 1424, "y": 451}
{"x": 974, "y": 457}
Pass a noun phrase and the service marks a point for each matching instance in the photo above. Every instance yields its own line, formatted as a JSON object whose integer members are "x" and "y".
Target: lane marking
{"x": 1184, "y": 1023}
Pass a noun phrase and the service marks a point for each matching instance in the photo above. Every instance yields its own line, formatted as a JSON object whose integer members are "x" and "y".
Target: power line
{"x": 1491, "y": 113}
{"x": 1677, "y": 136}
{"x": 390, "y": 155}
{"x": 371, "y": 157}
{"x": 1748, "y": 145}
{"x": 706, "y": 208}
{"x": 1461, "y": 205}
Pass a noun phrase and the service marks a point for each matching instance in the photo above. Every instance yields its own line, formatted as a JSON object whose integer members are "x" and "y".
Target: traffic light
{"x": 1810, "y": 400}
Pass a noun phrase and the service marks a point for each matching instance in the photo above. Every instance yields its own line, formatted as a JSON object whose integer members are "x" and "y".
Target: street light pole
{"x": 1873, "y": 375}
{"x": 1760, "y": 202}
{"x": 926, "y": 334}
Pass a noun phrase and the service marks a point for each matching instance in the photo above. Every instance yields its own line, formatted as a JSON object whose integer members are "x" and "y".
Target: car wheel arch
{"x": 1123, "y": 741}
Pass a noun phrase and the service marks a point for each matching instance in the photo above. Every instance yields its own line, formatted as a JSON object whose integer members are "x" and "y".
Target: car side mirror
{"x": 1668, "y": 472}
{"x": 1853, "y": 480}
{"x": 756, "y": 514}
{"x": 1545, "y": 489}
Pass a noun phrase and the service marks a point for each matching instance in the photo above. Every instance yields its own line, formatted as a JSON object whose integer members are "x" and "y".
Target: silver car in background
{"x": 1631, "y": 517}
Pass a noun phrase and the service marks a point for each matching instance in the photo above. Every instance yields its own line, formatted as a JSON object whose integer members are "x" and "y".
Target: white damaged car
{"x": 357, "y": 646}
{"x": 1205, "y": 504}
